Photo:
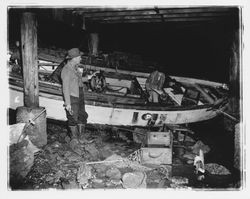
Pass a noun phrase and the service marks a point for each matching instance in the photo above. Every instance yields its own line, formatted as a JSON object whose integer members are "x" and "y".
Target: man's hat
{"x": 74, "y": 52}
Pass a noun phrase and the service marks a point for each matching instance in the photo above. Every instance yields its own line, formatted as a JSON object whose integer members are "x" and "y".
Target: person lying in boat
{"x": 72, "y": 86}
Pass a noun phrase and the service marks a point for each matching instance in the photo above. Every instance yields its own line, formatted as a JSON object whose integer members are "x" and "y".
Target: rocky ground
{"x": 108, "y": 160}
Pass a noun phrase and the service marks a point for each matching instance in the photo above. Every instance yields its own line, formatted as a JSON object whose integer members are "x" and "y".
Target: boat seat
{"x": 190, "y": 97}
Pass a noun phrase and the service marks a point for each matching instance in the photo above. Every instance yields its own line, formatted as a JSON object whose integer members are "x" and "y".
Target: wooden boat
{"x": 124, "y": 102}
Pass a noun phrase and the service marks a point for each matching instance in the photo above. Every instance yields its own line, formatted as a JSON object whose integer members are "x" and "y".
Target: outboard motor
{"x": 98, "y": 82}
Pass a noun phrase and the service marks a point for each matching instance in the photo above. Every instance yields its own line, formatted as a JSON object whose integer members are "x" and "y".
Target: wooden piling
{"x": 31, "y": 110}
{"x": 93, "y": 44}
{"x": 29, "y": 58}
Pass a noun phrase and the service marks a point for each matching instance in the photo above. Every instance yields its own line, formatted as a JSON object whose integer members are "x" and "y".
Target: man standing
{"x": 73, "y": 94}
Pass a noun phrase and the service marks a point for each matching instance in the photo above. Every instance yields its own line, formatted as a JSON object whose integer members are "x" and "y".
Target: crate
{"x": 159, "y": 139}
{"x": 158, "y": 148}
{"x": 156, "y": 156}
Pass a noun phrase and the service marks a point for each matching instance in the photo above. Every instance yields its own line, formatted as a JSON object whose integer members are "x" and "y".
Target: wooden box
{"x": 159, "y": 139}
{"x": 156, "y": 156}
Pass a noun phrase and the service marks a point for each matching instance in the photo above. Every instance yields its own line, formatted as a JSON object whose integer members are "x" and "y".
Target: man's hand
{"x": 68, "y": 108}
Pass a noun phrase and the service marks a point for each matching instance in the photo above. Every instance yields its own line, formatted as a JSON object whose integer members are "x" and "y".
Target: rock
{"x": 21, "y": 159}
{"x": 74, "y": 158}
{"x": 92, "y": 150}
{"x": 216, "y": 169}
{"x": 63, "y": 135}
{"x": 134, "y": 180}
{"x": 67, "y": 139}
{"x": 200, "y": 145}
{"x": 84, "y": 174}
{"x": 50, "y": 179}
{"x": 116, "y": 181}
{"x": 70, "y": 185}
{"x": 97, "y": 180}
{"x": 21, "y": 154}
{"x": 123, "y": 154}
{"x": 98, "y": 183}
{"x": 113, "y": 173}
{"x": 56, "y": 144}
{"x": 190, "y": 162}
{"x": 100, "y": 170}
{"x": 179, "y": 180}
{"x": 59, "y": 174}
{"x": 15, "y": 131}
{"x": 120, "y": 161}
{"x": 76, "y": 147}
{"x": 104, "y": 153}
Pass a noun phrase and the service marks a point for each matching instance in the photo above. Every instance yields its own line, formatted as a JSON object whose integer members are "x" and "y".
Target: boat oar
{"x": 228, "y": 115}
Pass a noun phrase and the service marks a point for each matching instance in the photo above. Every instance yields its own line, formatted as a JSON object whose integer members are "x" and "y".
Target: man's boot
{"x": 74, "y": 132}
{"x": 82, "y": 135}
{"x": 81, "y": 129}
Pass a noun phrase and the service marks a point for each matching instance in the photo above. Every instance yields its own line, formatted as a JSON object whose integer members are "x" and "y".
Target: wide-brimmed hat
{"x": 74, "y": 52}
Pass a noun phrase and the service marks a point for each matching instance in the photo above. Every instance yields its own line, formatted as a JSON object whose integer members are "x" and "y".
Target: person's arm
{"x": 66, "y": 86}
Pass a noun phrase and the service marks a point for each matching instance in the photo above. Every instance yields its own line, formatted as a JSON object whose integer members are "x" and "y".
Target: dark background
{"x": 199, "y": 50}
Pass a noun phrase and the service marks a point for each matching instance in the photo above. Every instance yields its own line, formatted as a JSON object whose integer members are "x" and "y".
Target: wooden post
{"x": 29, "y": 59}
{"x": 235, "y": 76}
{"x": 93, "y": 44}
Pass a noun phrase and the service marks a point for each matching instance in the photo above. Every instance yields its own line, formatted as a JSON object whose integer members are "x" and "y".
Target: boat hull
{"x": 113, "y": 115}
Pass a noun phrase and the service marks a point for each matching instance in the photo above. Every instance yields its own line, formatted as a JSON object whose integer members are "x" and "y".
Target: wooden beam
{"x": 29, "y": 59}
{"x": 159, "y": 14}
{"x": 155, "y": 20}
{"x": 152, "y": 11}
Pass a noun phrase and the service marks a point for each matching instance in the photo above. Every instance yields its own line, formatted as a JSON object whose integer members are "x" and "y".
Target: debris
{"x": 116, "y": 181}
{"x": 98, "y": 183}
{"x": 189, "y": 156}
{"x": 113, "y": 173}
{"x": 139, "y": 135}
{"x": 190, "y": 162}
{"x": 134, "y": 180}
{"x": 84, "y": 174}
{"x": 67, "y": 139}
{"x": 200, "y": 145}
{"x": 216, "y": 169}
{"x": 50, "y": 179}
{"x": 59, "y": 174}
{"x": 15, "y": 132}
{"x": 71, "y": 185}
{"x": 179, "y": 180}
{"x": 76, "y": 147}
{"x": 105, "y": 152}
{"x": 199, "y": 163}
{"x": 92, "y": 150}
{"x": 21, "y": 154}
{"x": 121, "y": 162}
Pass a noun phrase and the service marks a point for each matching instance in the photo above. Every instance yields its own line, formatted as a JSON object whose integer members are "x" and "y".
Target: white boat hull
{"x": 112, "y": 115}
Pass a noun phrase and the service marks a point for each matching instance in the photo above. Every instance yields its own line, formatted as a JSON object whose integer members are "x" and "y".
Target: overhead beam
{"x": 159, "y": 15}
{"x": 152, "y": 20}
{"x": 126, "y": 12}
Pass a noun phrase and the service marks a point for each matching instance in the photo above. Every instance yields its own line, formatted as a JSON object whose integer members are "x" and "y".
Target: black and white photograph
{"x": 124, "y": 97}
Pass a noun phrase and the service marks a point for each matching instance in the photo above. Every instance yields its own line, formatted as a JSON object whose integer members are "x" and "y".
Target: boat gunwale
{"x": 119, "y": 105}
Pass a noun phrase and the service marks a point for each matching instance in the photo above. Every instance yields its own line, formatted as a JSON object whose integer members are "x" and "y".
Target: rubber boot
{"x": 82, "y": 135}
{"x": 81, "y": 129}
{"x": 74, "y": 132}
